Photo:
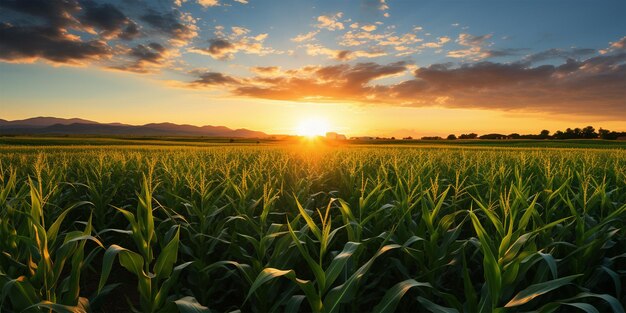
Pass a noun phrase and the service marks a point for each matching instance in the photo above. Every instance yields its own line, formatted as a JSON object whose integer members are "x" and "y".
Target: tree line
{"x": 588, "y": 132}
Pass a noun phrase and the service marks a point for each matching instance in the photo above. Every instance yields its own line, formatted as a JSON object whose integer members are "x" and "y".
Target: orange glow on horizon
{"x": 312, "y": 126}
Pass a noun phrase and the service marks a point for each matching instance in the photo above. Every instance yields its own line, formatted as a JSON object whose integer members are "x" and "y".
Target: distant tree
{"x": 407, "y": 138}
{"x": 603, "y": 133}
{"x": 589, "y": 132}
{"x": 578, "y": 133}
{"x": 393, "y": 138}
{"x": 515, "y": 136}
{"x": 432, "y": 138}
{"x": 493, "y": 136}
{"x": 559, "y": 135}
{"x": 544, "y": 134}
{"x": 451, "y": 137}
{"x": 468, "y": 136}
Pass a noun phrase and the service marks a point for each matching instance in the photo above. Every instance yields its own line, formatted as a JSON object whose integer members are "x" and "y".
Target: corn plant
{"x": 155, "y": 277}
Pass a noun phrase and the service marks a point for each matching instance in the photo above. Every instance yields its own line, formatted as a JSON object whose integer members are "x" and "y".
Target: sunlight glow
{"x": 312, "y": 126}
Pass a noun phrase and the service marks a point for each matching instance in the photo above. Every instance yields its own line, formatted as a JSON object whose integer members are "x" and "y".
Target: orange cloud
{"x": 593, "y": 87}
{"x": 330, "y": 22}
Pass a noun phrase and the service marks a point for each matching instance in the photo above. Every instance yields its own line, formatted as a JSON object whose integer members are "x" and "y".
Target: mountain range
{"x": 76, "y": 126}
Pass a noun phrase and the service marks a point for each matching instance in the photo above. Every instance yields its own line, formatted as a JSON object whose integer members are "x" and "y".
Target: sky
{"x": 369, "y": 67}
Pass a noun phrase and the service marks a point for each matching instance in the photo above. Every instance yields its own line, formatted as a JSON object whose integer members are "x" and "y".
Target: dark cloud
{"x": 480, "y": 75}
{"x": 220, "y": 48}
{"x": 130, "y": 32}
{"x": 58, "y": 13}
{"x": 172, "y": 25}
{"x": 29, "y": 43}
{"x": 145, "y": 58}
{"x": 595, "y": 86}
{"x": 47, "y": 37}
{"x": 214, "y": 78}
{"x": 552, "y": 54}
{"x": 152, "y": 52}
{"x": 496, "y": 53}
{"x": 344, "y": 55}
{"x": 78, "y": 32}
{"x": 109, "y": 19}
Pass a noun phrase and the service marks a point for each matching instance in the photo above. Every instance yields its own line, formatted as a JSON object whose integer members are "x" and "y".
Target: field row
{"x": 286, "y": 229}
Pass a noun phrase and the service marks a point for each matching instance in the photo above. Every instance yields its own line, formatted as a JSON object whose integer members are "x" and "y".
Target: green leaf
{"x": 59, "y": 308}
{"x": 392, "y": 296}
{"x": 309, "y": 221}
{"x": 293, "y": 305}
{"x": 132, "y": 261}
{"x": 339, "y": 262}
{"x": 54, "y": 228}
{"x": 19, "y": 292}
{"x": 616, "y": 306}
{"x": 172, "y": 280}
{"x": 491, "y": 267}
{"x": 343, "y": 293}
{"x": 320, "y": 275}
{"x": 167, "y": 258}
{"x": 536, "y": 290}
{"x": 190, "y": 305}
{"x": 306, "y": 286}
{"x": 435, "y": 308}
{"x": 583, "y": 306}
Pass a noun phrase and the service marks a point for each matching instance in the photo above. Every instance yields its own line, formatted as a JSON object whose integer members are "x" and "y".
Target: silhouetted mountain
{"x": 75, "y": 126}
{"x": 43, "y": 121}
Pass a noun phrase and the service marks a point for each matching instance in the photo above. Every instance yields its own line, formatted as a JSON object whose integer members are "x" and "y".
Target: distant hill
{"x": 77, "y": 126}
{"x": 42, "y": 121}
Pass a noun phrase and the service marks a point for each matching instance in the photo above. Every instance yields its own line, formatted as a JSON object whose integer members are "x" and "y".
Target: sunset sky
{"x": 373, "y": 67}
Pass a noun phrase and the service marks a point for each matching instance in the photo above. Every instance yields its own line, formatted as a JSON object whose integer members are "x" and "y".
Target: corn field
{"x": 312, "y": 229}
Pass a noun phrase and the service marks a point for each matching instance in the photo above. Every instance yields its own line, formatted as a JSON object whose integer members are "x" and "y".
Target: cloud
{"x": 214, "y": 79}
{"x": 368, "y": 28}
{"x": 305, "y": 37}
{"x": 57, "y": 13}
{"x": 26, "y": 44}
{"x": 179, "y": 27}
{"x": 619, "y": 45}
{"x": 110, "y": 20}
{"x": 226, "y": 47}
{"x": 44, "y": 34}
{"x": 220, "y": 49}
{"x": 330, "y": 22}
{"x": 208, "y": 3}
{"x": 342, "y": 55}
{"x": 471, "y": 40}
{"x": 356, "y": 38}
{"x": 266, "y": 70}
{"x": 145, "y": 58}
{"x": 552, "y": 54}
{"x": 87, "y": 32}
{"x": 438, "y": 44}
{"x": 380, "y": 5}
{"x": 321, "y": 83}
{"x": 496, "y": 53}
{"x": 594, "y": 86}
{"x": 239, "y": 31}
{"x": 476, "y": 47}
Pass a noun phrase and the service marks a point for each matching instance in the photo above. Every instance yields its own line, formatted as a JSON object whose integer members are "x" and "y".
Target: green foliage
{"x": 323, "y": 229}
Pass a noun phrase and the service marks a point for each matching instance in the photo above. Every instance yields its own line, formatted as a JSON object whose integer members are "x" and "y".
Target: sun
{"x": 312, "y": 126}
